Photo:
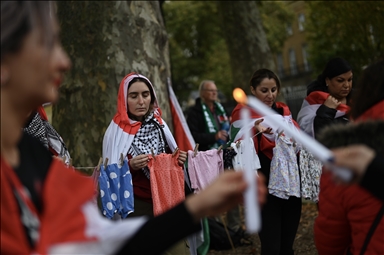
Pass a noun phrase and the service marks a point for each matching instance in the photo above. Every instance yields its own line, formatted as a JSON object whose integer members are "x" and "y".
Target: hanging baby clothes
{"x": 228, "y": 154}
{"x": 284, "y": 180}
{"x": 167, "y": 182}
{"x": 125, "y": 190}
{"x": 204, "y": 168}
{"x": 239, "y": 159}
{"x": 108, "y": 207}
{"x": 310, "y": 169}
{"x": 116, "y": 190}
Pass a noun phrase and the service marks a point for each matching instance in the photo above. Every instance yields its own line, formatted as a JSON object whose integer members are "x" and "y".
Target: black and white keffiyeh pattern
{"x": 148, "y": 137}
{"x": 36, "y": 129}
{"x": 48, "y": 136}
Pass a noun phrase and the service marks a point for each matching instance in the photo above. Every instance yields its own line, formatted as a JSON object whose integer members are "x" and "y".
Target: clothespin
{"x": 105, "y": 163}
{"x": 195, "y": 150}
{"x": 99, "y": 164}
{"x": 153, "y": 154}
{"x": 121, "y": 158}
{"x": 220, "y": 148}
{"x": 176, "y": 150}
{"x": 238, "y": 143}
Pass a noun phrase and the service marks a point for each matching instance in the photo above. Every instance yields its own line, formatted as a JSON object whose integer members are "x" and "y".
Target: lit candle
{"x": 316, "y": 148}
{"x": 252, "y": 210}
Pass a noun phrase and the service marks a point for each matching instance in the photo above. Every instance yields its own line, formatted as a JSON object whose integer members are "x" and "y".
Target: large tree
{"x": 106, "y": 40}
{"x": 246, "y": 40}
{"x": 349, "y": 29}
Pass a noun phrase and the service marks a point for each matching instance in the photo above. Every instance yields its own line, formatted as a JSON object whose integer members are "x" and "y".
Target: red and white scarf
{"x": 267, "y": 142}
{"x": 78, "y": 228}
{"x": 376, "y": 112}
{"x": 309, "y": 107}
{"x": 121, "y": 131}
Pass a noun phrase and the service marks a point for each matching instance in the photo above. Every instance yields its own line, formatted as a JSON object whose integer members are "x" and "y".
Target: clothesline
{"x": 85, "y": 167}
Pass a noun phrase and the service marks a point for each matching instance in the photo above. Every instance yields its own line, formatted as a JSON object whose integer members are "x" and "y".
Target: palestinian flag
{"x": 309, "y": 107}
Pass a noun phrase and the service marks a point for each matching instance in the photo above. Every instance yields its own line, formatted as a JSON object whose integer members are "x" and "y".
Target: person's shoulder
{"x": 33, "y": 145}
{"x": 283, "y": 108}
{"x": 196, "y": 107}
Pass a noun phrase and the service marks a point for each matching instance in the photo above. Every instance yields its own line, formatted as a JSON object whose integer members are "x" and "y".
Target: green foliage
{"x": 197, "y": 46}
{"x": 349, "y": 29}
{"x": 197, "y": 43}
{"x": 275, "y": 16}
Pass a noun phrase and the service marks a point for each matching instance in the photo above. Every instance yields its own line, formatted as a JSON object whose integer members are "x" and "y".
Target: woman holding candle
{"x": 281, "y": 214}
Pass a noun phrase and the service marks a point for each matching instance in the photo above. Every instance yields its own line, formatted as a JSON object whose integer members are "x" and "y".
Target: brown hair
{"x": 259, "y": 75}
{"x": 19, "y": 18}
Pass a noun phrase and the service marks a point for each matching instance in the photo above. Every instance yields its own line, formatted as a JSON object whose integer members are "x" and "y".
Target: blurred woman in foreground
{"x": 45, "y": 207}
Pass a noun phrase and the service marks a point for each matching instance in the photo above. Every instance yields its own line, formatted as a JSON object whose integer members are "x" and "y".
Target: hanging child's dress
{"x": 116, "y": 190}
{"x": 204, "y": 168}
{"x": 167, "y": 182}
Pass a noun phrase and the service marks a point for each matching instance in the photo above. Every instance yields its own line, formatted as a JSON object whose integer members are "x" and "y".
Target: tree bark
{"x": 106, "y": 40}
{"x": 246, "y": 40}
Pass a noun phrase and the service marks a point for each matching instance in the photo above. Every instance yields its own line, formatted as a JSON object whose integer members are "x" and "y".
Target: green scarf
{"x": 210, "y": 123}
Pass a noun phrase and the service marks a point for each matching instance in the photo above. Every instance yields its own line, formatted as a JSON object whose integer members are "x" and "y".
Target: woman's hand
{"x": 222, "y": 134}
{"x": 223, "y": 194}
{"x": 332, "y": 102}
{"x": 182, "y": 157}
{"x": 261, "y": 129}
{"x": 354, "y": 157}
{"x": 139, "y": 162}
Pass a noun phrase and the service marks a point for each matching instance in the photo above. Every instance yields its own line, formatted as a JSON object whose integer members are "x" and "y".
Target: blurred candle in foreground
{"x": 252, "y": 210}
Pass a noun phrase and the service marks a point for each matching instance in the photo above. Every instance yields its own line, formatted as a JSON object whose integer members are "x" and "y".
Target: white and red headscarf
{"x": 121, "y": 131}
{"x": 309, "y": 107}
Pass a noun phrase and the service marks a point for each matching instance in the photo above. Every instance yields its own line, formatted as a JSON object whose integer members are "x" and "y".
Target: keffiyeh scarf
{"x": 149, "y": 136}
{"x": 48, "y": 136}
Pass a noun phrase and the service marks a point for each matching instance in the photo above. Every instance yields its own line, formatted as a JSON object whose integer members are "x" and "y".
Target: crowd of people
{"x": 156, "y": 197}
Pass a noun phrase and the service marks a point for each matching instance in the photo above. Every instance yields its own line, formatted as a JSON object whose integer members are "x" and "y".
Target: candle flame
{"x": 239, "y": 96}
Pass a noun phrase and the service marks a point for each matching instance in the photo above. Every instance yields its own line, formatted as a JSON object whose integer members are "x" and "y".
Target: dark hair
{"x": 259, "y": 75}
{"x": 369, "y": 89}
{"x": 19, "y": 18}
{"x": 335, "y": 67}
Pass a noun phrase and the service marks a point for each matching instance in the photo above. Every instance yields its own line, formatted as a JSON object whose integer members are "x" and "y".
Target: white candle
{"x": 252, "y": 210}
{"x": 316, "y": 148}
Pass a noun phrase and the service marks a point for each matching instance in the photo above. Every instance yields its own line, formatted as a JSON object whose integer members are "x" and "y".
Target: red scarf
{"x": 67, "y": 226}
{"x": 376, "y": 112}
{"x": 266, "y": 146}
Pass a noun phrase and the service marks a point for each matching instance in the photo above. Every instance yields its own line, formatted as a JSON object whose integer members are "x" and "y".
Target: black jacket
{"x": 325, "y": 116}
{"x": 197, "y": 125}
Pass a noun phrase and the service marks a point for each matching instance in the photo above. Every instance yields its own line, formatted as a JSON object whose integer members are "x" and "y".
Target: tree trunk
{"x": 246, "y": 40}
{"x": 106, "y": 40}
